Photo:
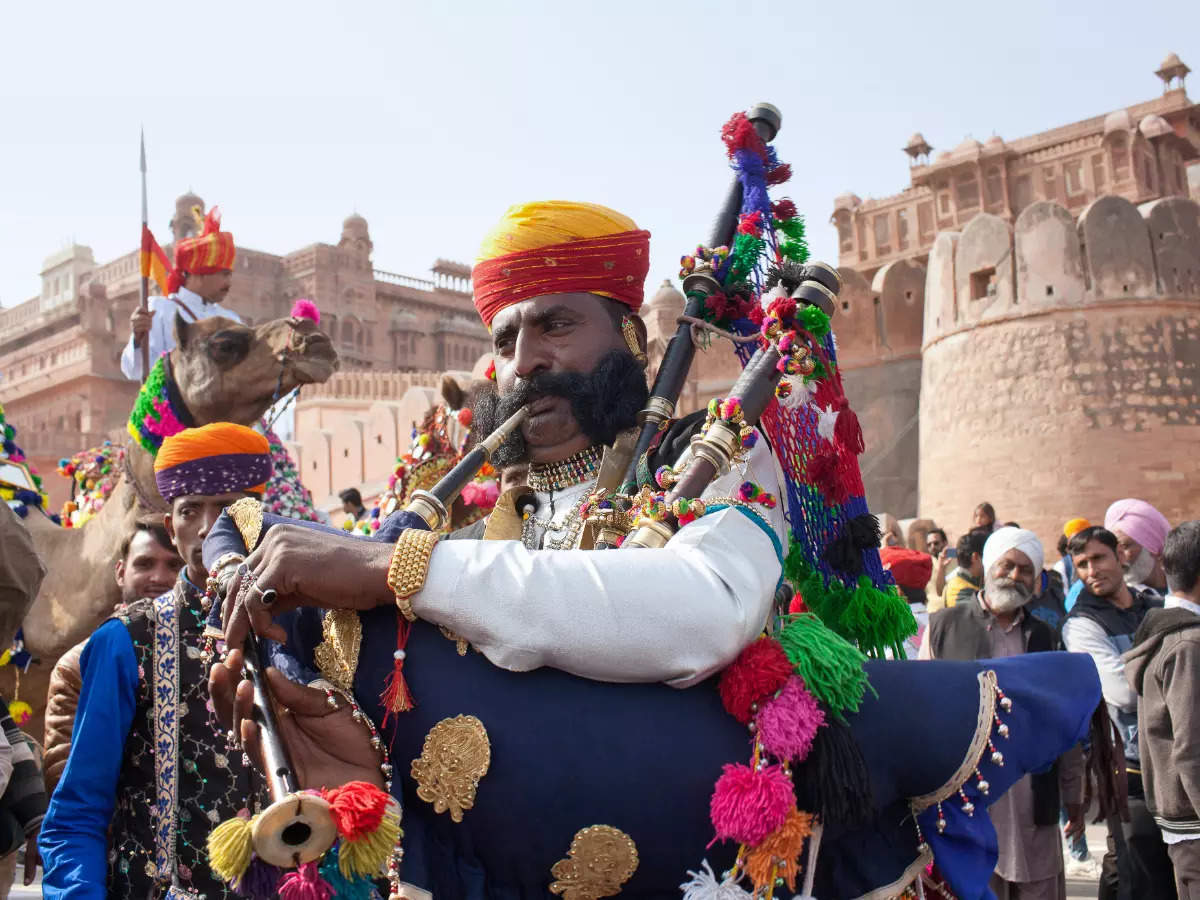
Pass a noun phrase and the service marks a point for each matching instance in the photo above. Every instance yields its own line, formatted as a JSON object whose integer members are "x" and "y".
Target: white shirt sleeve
{"x": 161, "y": 337}
{"x": 1082, "y": 635}
{"x": 677, "y": 615}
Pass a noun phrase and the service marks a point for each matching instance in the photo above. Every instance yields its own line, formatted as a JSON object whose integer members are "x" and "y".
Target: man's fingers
{"x": 32, "y": 859}
{"x": 252, "y": 743}
{"x": 221, "y": 681}
{"x": 243, "y": 707}
{"x": 302, "y": 700}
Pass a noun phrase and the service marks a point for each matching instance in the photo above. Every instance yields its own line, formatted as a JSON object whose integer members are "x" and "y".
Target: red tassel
{"x": 357, "y": 808}
{"x": 826, "y": 395}
{"x": 396, "y": 697}
{"x": 847, "y": 432}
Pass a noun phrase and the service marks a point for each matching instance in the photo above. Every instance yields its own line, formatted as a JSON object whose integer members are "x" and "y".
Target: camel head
{"x": 228, "y": 372}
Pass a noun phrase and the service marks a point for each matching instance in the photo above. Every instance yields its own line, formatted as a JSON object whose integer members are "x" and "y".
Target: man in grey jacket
{"x": 1164, "y": 669}
{"x": 1102, "y": 624}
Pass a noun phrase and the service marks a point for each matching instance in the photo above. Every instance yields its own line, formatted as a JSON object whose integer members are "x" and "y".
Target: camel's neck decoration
{"x": 21, "y": 497}
{"x": 159, "y": 410}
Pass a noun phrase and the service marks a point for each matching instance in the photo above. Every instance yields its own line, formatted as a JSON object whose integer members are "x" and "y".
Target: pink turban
{"x": 1140, "y": 521}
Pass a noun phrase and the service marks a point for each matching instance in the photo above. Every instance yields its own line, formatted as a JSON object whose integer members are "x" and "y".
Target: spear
{"x": 144, "y": 258}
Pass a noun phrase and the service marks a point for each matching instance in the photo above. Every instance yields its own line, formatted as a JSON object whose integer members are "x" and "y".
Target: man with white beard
{"x": 1141, "y": 530}
{"x": 995, "y": 624}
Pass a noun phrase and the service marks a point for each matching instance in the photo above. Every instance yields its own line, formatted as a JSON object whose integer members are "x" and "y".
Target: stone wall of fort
{"x": 1061, "y": 364}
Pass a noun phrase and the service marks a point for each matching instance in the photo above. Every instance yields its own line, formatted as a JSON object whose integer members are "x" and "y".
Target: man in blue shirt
{"x": 150, "y": 772}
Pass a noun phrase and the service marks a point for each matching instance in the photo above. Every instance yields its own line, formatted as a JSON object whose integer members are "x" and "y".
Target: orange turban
{"x": 1074, "y": 526}
{"x": 559, "y": 247}
{"x": 219, "y": 458}
{"x": 212, "y": 251}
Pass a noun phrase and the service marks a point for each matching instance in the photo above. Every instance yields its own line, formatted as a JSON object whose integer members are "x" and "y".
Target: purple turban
{"x": 1140, "y": 521}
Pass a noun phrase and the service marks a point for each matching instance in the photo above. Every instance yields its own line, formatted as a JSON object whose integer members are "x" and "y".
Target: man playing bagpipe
{"x": 576, "y": 751}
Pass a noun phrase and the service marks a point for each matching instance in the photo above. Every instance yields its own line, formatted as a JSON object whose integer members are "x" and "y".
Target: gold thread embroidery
{"x": 456, "y": 755}
{"x": 601, "y": 859}
{"x": 337, "y": 654}
{"x": 247, "y": 515}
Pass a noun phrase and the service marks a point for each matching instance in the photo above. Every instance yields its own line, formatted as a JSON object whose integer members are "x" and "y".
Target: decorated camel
{"x": 219, "y": 371}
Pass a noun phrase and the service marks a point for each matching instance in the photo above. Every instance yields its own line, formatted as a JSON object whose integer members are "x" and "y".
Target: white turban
{"x": 1008, "y": 538}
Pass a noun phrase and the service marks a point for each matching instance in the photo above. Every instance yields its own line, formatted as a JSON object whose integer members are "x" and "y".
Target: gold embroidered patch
{"x": 601, "y": 859}
{"x": 337, "y": 654}
{"x": 247, "y": 516}
{"x": 457, "y": 753}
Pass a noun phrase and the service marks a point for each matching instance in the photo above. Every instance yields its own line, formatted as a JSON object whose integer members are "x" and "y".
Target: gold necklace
{"x": 572, "y": 525}
{"x": 545, "y": 478}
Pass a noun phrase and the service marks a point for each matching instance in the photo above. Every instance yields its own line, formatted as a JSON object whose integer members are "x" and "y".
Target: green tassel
{"x": 830, "y": 665}
{"x": 143, "y": 406}
{"x": 877, "y": 620}
{"x": 746, "y": 250}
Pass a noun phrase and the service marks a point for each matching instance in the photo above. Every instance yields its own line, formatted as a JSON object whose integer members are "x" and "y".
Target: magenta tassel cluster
{"x": 748, "y": 804}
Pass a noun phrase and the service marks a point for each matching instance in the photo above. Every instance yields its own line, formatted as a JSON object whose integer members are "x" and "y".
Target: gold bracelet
{"x": 409, "y": 566}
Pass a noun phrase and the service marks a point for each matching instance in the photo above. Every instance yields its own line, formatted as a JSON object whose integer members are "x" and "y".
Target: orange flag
{"x": 154, "y": 261}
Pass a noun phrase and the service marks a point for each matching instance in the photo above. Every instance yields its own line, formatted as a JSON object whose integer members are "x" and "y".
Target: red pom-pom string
{"x": 357, "y": 808}
{"x": 396, "y": 696}
{"x": 760, "y": 670}
{"x": 779, "y": 174}
{"x": 783, "y": 210}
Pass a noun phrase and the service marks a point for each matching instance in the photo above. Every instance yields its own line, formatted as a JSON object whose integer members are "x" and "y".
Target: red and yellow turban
{"x": 219, "y": 458}
{"x": 559, "y": 247}
{"x": 212, "y": 251}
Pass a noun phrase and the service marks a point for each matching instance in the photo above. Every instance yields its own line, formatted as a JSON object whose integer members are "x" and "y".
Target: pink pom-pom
{"x": 748, "y": 804}
{"x": 304, "y": 883}
{"x": 788, "y": 723}
{"x": 306, "y": 309}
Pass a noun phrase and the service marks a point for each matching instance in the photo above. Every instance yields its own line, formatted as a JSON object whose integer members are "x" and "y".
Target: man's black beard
{"x": 604, "y": 401}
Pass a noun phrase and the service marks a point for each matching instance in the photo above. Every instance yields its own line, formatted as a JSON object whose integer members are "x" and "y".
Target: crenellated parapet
{"x": 1050, "y": 260}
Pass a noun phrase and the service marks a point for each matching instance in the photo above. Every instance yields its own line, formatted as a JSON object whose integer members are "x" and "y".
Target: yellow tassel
{"x": 368, "y": 855}
{"x": 778, "y": 854}
{"x": 229, "y": 848}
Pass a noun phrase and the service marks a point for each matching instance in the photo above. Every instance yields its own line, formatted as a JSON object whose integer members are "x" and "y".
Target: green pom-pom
{"x": 814, "y": 321}
{"x": 830, "y": 665}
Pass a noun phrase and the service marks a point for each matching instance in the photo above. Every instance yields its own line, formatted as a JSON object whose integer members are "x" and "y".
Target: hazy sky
{"x": 431, "y": 118}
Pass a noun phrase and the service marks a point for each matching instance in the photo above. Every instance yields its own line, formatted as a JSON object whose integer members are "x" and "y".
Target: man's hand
{"x": 305, "y": 567}
{"x": 1076, "y": 821}
{"x": 32, "y": 858}
{"x": 327, "y": 747}
{"x": 139, "y": 324}
{"x": 945, "y": 561}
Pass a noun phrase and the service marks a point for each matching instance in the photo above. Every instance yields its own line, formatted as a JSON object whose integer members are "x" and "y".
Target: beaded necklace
{"x": 545, "y": 478}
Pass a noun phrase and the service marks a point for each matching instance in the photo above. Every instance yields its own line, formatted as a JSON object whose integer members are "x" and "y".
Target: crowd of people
{"x": 1125, "y": 593}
